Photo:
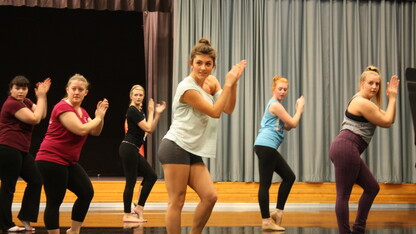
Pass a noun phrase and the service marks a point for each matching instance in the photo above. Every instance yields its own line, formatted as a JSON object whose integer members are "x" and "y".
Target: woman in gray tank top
{"x": 361, "y": 118}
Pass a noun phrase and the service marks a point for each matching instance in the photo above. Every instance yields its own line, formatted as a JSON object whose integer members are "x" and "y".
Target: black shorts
{"x": 170, "y": 153}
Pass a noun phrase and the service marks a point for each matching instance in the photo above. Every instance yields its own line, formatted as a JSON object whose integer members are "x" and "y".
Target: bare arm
{"x": 146, "y": 125}
{"x": 215, "y": 87}
{"x": 229, "y": 107}
{"x": 102, "y": 107}
{"x": 290, "y": 122}
{"x": 372, "y": 112}
{"x": 74, "y": 125}
{"x": 39, "y": 109}
{"x": 194, "y": 99}
{"x": 97, "y": 130}
{"x": 93, "y": 127}
{"x": 159, "y": 110}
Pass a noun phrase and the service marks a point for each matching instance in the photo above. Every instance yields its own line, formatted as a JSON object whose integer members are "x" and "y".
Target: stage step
{"x": 111, "y": 191}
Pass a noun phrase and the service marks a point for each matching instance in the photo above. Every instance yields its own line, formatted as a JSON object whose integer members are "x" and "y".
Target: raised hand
{"x": 151, "y": 105}
{"x": 160, "y": 107}
{"x": 235, "y": 73}
{"x": 300, "y": 103}
{"x": 393, "y": 86}
{"x": 102, "y": 107}
{"x": 43, "y": 87}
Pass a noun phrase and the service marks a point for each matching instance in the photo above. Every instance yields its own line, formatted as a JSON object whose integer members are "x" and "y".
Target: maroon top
{"x": 13, "y": 132}
{"x": 61, "y": 145}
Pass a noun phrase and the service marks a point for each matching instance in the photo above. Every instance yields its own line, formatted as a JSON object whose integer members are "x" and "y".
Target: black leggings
{"x": 56, "y": 179}
{"x": 271, "y": 161}
{"x": 133, "y": 162}
{"x": 15, "y": 163}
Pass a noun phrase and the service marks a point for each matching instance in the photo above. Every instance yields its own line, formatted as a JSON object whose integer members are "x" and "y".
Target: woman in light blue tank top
{"x": 270, "y": 136}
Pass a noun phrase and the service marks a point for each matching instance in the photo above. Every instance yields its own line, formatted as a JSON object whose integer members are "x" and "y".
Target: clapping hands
{"x": 160, "y": 107}
{"x": 102, "y": 108}
{"x": 42, "y": 88}
{"x": 235, "y": 73}
{"x": 393, "y": 86}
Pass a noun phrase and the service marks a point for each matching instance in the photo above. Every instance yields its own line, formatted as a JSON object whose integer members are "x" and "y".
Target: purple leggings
{"x": 350, "y": 169}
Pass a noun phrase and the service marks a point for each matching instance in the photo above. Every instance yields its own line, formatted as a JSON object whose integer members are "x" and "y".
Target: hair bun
{"x": 373, "y": 68}
{"x": 276, "y": 78}
{"x": 204, "y": 41}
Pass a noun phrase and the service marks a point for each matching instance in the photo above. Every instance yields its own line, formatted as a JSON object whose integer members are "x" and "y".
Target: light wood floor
{"x": 380, "y": 221}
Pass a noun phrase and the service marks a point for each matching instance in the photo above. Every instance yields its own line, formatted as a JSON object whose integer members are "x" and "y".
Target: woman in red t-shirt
{"x": 60, "y": 150}
{"x": 17, "y": 118}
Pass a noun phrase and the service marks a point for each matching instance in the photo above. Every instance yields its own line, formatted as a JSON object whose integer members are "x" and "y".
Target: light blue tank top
{"x": 271, "y": 132}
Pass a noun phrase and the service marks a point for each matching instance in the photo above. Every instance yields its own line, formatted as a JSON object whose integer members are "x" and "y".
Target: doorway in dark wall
{"x": 107, "y": 47}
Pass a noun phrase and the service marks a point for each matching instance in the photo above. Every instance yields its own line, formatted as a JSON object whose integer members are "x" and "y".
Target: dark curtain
{"x": 112, "y": 5}
{"x": 157, "y": 28}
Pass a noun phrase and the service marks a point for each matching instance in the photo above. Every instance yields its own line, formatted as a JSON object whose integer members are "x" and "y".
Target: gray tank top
{"x": 358, "y": 124}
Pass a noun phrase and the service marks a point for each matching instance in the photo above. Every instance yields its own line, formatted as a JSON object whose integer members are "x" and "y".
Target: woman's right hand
{"x": 151, "y": 106}
{"x": 235, "y": 73}
{"x": 393, "y": 87}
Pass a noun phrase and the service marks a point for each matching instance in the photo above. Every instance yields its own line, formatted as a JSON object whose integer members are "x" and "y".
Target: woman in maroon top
{"x": 59, "y": 153}
{"x": 17, "y": 118}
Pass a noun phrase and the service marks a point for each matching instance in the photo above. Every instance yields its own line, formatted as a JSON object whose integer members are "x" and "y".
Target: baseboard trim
{"x": 230, "y": 207}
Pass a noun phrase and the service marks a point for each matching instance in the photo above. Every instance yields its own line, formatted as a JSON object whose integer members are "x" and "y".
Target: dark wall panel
{"x": 107, "y": 47}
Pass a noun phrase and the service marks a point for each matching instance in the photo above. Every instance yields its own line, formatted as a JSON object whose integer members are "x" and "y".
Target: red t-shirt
{"x": 61, "y": 145}
{"x": 13, "y": 132}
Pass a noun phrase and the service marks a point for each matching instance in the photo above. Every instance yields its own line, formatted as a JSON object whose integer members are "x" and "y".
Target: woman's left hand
{"x": 160, "y": 107}
{"x": 43, "y": 87}
{"x": 393, "y": 86}
{"x": 102, "y": 107}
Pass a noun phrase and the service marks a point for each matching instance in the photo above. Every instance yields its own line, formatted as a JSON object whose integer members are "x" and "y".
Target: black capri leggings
{"x": 271, "y": 161}
{"x": 133, "y": 163}
{"x": 15, "y": 163}
{"x": 56, "y": 179}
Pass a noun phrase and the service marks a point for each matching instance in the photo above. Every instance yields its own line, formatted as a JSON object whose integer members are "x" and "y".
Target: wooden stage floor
{"x": 310, "y": 209}
{"x": 296, "y": 222}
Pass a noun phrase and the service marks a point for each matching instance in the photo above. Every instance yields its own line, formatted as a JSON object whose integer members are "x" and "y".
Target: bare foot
{"x": 27, "y": 226}
{"x": 131, "y": 225}
{"x": 130, "y": 218}
{"x": 139, "y": 210}
{"x": 69, "y": 231}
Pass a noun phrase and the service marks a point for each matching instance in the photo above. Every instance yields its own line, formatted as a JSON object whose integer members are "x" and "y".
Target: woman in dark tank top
{"x": 361, "y": 118}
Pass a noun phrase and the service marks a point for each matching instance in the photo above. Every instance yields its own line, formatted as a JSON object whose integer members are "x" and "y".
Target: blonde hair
{"x": 139, "y": 87}
{"x": 203, "y": 47}
{"x": 277, "y": 80}
{"x": 372, "y": 70}
{"x": 78, "y": 77}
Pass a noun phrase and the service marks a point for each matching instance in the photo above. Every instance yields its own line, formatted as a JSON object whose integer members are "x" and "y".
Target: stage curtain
{"x": 112, "y": 5}
{"x": 158, "y": 57}
{"x": 157, "y": 20}
{"x": 321, "y": 47}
